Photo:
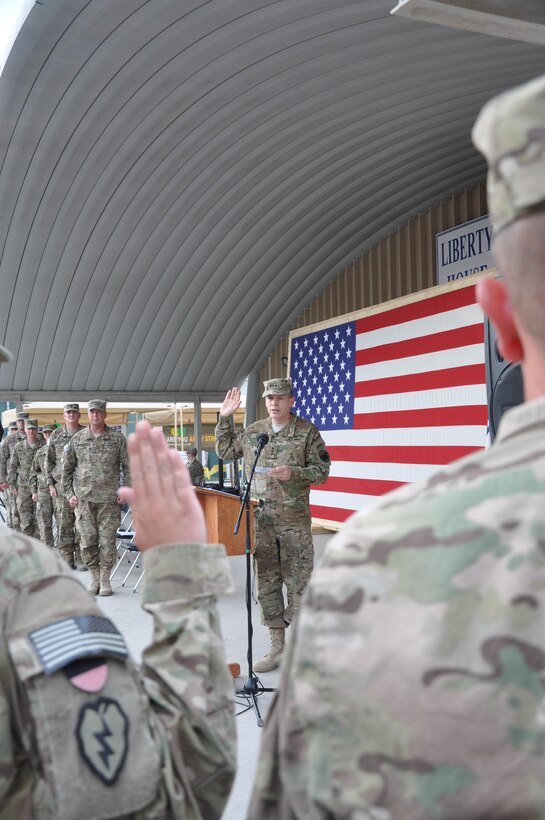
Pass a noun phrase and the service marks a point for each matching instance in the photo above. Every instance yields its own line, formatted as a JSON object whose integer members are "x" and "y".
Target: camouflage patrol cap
{"x": 48, "y": 428}
{"x": 31, "y": 424}
{"x": 12, "y": 425}
{"x": 73, "y": 407}
{"x": 277, "y": 387}
{"x": 510, "y": 132}
{"x": 5, "y": 355}
{"x": 21, "y": 416}
{"x": 96, "y": 404}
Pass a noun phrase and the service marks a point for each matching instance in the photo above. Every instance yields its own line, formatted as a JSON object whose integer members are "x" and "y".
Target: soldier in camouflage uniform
{"x": 294, "y": 458}
{"x": 95, "y": 460}
{"x": 196, "y": 470}
{"x": 86, "y": 734}
{"x": 4, "y": 459}
{"x": 414, "y": 687}
{"x": 19, "y": 478}
{"x": 6, "y": 451}
{"x": 40, "y": 491}
{"x": 67, "y": 534}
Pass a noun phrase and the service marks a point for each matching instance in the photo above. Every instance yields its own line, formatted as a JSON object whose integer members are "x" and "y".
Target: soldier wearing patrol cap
{"x": 94, "y": 465}
{"x": 6, "y": 445}
{"x": 85, "y": 734}
{"x": 414, "y": 685}
{"x": 67, "y": 534}
{"x": 196, "y": 470}
{"x": 40, "y": 490}
{"x": 20, "y": 419}
{"x": 19, "y": 478}
{"x": 294, "y": 458}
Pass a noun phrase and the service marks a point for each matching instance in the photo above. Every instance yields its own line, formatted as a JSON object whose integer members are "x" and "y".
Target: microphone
{"x": 262, "y": 440}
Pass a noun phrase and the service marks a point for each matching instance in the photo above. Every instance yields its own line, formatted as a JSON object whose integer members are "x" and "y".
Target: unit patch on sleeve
{"x": 102, "y": 736}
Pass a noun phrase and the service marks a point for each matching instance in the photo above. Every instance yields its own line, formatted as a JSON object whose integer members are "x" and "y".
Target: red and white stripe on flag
{"x": 419, "y": 397}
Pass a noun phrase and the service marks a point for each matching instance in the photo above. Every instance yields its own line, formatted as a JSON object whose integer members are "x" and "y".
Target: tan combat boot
{"x": 78, "y": 561}
{"x": 94, "y": 586}
{"x": 272, "y": 658}
{"x": 105, "y": 588}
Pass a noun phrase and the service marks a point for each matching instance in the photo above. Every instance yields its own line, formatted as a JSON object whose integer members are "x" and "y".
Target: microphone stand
{"x": 253, "y": 687}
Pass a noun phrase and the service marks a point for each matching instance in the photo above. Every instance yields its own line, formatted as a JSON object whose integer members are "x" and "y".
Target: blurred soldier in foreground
{"x": 85, "y": 734}
{"x": 94, "y": 462}
{"x": 196, "y": 470}
{"x": 40, "y": 491}
{"x": 20, "y": 466}
{"x": 414, "y": 687}
{"x": 68, "y": 536}
{"x": 294, "y": 457}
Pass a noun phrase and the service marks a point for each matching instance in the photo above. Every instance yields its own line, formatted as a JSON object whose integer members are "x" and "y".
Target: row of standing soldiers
{"x": 30, "y": 476}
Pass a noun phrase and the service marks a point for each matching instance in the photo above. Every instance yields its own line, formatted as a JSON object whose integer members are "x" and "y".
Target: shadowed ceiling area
{"x": 179, "y": 178}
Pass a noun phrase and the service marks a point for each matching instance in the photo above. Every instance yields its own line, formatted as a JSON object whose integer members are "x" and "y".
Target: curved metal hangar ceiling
{"x": 180, "y": 177}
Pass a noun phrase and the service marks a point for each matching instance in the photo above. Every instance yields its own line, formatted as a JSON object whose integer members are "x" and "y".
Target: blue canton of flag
{"x": 322, "y": 369}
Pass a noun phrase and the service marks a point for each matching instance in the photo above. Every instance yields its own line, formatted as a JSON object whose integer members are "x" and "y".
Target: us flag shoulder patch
{"x": 62, "y": 642}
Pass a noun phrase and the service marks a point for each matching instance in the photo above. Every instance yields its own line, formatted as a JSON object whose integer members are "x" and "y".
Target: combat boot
{"x": 94, "y": 586}
{"x": 78, "y": 561}
{"x": 105, "y": 588}
{"x": 272, "y": 658}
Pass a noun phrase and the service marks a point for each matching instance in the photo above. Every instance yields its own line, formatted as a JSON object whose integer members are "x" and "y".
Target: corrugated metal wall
{"x": 402, "y": 263}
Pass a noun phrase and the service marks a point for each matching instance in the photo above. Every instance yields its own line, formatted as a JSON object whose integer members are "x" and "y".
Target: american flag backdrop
{"x": 395, "y": 391}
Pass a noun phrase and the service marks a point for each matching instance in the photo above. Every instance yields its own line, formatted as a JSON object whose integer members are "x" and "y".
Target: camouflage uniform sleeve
{"x": 318, "y": 462}
{"x": 49, "y": 462}
{"x": 185, "y": 673}
{"x": 187, "y": 713}
{"x": 33, "y": 475}
{"x": 228, "y": 443}
{"x": 3, "y": 462}
{"x": 12, "y": 470}
{"x": 69, "y": 463}
{"x": 124, "y": 461}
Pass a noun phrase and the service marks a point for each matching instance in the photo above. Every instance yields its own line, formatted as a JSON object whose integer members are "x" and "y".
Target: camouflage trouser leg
{"x": 27, "y": 513}
{"x": 68, "y": 536}
{"x": 44, "y": 517}
{"x": 283, "y": 554}
{"x": 97, "y": 525}
{"x": 7, "y": 505}
{"x": 14, "y": 512}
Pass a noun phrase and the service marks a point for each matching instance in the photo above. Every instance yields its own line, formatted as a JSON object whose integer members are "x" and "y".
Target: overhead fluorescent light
{"x": 514, "y": 19}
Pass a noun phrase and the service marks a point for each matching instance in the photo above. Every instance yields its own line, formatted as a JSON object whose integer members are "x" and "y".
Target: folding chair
{"x": 126, "y": 546}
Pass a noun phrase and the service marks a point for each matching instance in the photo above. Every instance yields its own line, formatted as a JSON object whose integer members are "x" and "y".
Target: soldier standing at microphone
{"x": 294, "y": 458}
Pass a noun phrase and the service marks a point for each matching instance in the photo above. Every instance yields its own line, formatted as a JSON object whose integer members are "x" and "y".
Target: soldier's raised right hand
{"x": 231, "y": 402}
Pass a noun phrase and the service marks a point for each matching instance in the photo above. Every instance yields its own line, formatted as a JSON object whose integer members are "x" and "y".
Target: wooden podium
{"x": 221, "y": 511}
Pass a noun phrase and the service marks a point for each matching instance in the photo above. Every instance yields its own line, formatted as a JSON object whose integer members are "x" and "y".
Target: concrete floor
{"x": 124, "y": 609}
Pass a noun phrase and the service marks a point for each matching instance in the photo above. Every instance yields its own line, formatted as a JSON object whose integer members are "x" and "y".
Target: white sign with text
{"x": 464, "y": 250}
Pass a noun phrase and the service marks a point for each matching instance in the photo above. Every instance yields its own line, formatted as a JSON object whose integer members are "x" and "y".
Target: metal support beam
{"x": 252, "y": 396}
{"x": 197, "y": 426}
{"x": 514, "y": 19}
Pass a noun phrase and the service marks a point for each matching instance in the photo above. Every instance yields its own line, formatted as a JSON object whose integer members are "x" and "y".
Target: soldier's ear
{"x": 494, "y": 299}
